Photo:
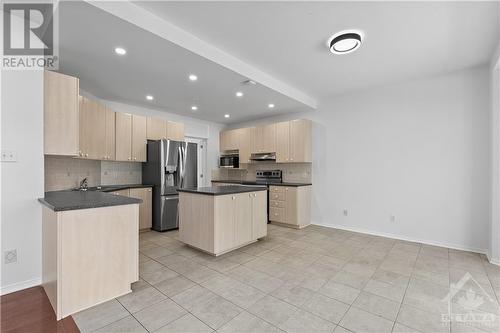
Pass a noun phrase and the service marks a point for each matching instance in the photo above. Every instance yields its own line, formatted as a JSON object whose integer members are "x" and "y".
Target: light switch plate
{"x": 9, "y": 156}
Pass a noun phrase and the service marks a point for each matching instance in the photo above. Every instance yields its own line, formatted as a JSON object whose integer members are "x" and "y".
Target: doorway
{"x": 201, "y": 159}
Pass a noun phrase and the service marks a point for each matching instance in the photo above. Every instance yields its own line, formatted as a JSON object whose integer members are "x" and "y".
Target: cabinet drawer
{"x": 277, "y": 196}
{"x": 276, "y": 189}
{"x": 277, "y": 214}
{"x": 275, "y": 203}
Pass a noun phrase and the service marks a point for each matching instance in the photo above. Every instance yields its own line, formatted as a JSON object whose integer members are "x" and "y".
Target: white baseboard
{"x": 4, "y": 290}
{"x": 399, "y": 237}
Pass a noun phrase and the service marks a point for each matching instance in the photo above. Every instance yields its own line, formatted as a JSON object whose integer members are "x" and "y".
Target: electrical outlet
{"x": 393, "y": 218}
{"x": 9, "y": 156}
{"x": 346, "y": 212}
{"x": 10, "y": 256}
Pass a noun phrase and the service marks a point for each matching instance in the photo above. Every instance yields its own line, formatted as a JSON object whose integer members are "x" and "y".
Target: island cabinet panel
{"x": 175, "y": 131}
{"x": 60, "y": 114}
{"x": 123, "y": 136}
{"x": 196, "y": 220}
{"x": 89, "y": 256}
{"x": 139, "y": 140}
{"x": 222, "y": 223}
{"x": 156, "y": 128}
{"x": 259, "y": 214}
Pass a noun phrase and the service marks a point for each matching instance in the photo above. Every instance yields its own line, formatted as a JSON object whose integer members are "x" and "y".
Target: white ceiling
{"x": 153, "y": 65}
{"x": 404, "y": 40}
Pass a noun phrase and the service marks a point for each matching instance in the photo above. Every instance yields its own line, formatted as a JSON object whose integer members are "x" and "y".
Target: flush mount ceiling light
{"x": 252, "y": 82}
{"x": 226, "y": 116}
{"x": 149, "y": 97}
{"x": 194, "y": 108}
{"x": 239, "y": 94}
{"x": 345, "y": 42}
{"x": 193, "y": 77}
{"x": 271, "y": 106}
{"x": 120, "y": 51}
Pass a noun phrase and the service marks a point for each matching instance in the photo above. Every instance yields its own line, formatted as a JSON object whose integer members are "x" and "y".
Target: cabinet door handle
{"x": 233, "y": 197}
{"x": 129, "y": 158}
{"x": 86, "y": 155}
{"x": 135, "y": 158}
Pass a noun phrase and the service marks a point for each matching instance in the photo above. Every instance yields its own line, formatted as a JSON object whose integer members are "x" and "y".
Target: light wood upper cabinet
{"x": 92, "y": 129}
{"x": 265, "y": 139}
{"x": 145, "y": 208}
{"x": 61, "y": 119}
{"x": 139, "y": 140}
{"x": 300, "y": 140}
{"x": 246, "y": 137}
{"x": 123, "y": 136}
{"x": 229, "y": 140}
{"x": 156, "y": 128}
{"x": 283, "y": 142}
{"x": 175, "y": 131}
{"x": 110, "y": 134}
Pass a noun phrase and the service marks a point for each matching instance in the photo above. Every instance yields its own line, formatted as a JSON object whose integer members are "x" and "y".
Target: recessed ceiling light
{"x": 149, "y": 97}
{"x": 226, "y": 116}
{"x": 239, "y": 94}
{"x": 120, "y": 51}
{"x": 345, "y": 42}
{"x": 271, "y": 106}
{"x": 194, "y": 108}
{"x": 193, "y": 77}
{"x": 252, "y": 82}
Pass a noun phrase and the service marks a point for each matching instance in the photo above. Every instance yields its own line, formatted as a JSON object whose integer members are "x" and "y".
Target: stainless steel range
{"x": 266, "y": 178}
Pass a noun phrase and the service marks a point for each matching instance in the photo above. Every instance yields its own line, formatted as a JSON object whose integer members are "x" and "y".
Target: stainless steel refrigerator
{"x": 170, "y": 165}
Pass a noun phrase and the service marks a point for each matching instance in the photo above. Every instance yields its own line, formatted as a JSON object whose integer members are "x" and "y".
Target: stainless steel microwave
{"x": 229, "y": 161}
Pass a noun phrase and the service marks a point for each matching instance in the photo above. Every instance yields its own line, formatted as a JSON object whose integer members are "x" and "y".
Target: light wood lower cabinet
{"x": 89, "y": 256}
{"x": 60, "y": 114}
{"x": 145, "y": 208}
{"x": 290, "y": 205}
{"x": 219, "y": 224}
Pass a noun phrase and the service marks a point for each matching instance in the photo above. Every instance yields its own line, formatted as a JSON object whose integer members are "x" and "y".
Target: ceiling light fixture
{"x": 226, "y": 116}
{"x": 194, "y": 108}
{"x": 239, "y": 94}
{"x": 271, "y": 106}
{"x": 193, "y": 77}
{"x": 345, "y": 42}
{"x": 149, "y": 97}
{"x": 247, "y": 82}
{"x": 120, "y": 51}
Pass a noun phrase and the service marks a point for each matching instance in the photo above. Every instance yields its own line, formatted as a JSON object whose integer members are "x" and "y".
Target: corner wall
{"x": 22, "y": 181}
{"x": 417, "y": 150}
{"x": 494, "y": 241}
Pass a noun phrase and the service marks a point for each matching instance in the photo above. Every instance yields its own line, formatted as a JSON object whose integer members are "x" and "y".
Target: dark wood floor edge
{"x": 70, "y": 325}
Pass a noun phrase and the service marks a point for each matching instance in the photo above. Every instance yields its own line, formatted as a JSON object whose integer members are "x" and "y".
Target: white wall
{"x": 22, "y": 181}
{"x": 417, "y": 150}
{"x": 494, "y": 246}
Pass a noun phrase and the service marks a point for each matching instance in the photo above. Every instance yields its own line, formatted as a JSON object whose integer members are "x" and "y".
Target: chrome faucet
{"x": 83, "y": 184}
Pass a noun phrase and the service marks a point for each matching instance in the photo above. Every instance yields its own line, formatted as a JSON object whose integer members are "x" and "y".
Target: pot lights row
{"x": 192, "y": 77}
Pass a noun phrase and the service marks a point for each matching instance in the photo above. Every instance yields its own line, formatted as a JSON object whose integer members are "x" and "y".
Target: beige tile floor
{"x": 312, "y": 280}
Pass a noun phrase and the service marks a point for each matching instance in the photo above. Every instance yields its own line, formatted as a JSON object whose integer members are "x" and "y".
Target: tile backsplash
{"x": 120, "y": 173}
{"x": 62, "y": 173}
{"x": 292, "y": 172}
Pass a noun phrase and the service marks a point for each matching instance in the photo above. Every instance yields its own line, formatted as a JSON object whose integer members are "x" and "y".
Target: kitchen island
{"x": 90, "y": 246}
{"x": 219, "y": 219}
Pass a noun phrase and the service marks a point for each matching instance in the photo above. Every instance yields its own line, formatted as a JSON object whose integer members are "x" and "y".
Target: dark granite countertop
{"x": 72, "y": 200}
{"x": 223, "y": 190}
{"x": 249, "y": 182}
